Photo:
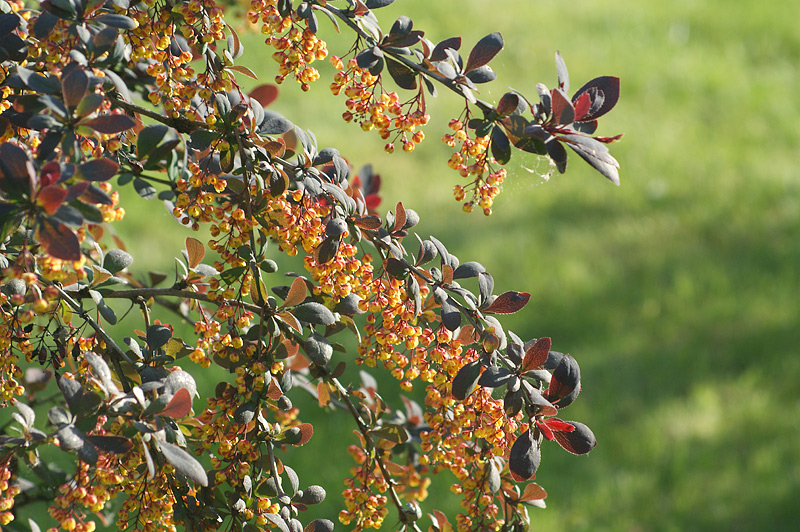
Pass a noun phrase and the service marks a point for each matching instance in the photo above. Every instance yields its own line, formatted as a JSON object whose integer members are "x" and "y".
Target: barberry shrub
{"x": 105, "y": 94}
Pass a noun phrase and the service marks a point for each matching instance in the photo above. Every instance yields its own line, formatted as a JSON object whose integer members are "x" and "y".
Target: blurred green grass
{"x": 677, "y": 292}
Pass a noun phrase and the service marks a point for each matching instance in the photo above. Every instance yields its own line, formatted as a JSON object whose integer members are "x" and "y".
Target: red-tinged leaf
{"x": 276, "y": 147}
{"x": 195, "y": 251}
{"x": 582, "y": 106}
{"x": 484, "y": 51}
{"x": 536, "y": 355}
{"x": 580, "y": 441}
{"x": 297, "y": 293}
{"x": 565, "y": 384}
{"x": 286, "y": 349}
{"x": 274, "y": 391}
{"x": 291, "y": 321}
{"x": 533, "y": 492}
{"x": 447, "y": 274}
{"x": 557, "y": 425}
{"x": 606, "y": 87}
{"x": 179, "y": 406}
{"x": 244, "y": 70}
{"x": 49, "y": 174}
{"x": 563, "y": 112}
{"x": 368, "y": 222}
{"x": 50, "y": 198}
{"x": 441, "y": 522}
{"x": 265, "y": 94}
{"x": 563, "y": 74}
{"x": 306, "y": 431}
{"x": 372, "y": 201}
{"x": 58, "y": 240}
{"x": 508, "y": 302}
{"x": 545, "y": 430}
{"x": 399, "y": 217}
{"x": 101, "y": 169}
{"x": 109, "y": 124}
{"x": 74, "y": 87}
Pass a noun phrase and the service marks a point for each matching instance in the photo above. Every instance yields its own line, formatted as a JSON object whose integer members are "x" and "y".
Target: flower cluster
{"x": 371, "y": 106}
{"x": 296, "y": 44}
{"x": 472, "y": 161}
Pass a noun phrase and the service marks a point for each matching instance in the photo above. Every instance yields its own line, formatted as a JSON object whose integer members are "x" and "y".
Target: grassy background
{"x": 677, "y": 292}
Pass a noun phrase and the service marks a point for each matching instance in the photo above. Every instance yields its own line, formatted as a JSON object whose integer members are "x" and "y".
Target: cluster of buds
{"x": 472, "y": 161}
{"x": 373, "y": 108}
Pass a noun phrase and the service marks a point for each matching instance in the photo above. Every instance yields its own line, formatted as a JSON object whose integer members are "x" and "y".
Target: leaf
{"x": 533, "y": 492}
{"x": 297, "y": 293}
{"x": 111, "y": 444}
{"x": 27, "y": 414}
{"x": 101, "y": 169}
{"x": 606, "y": 87}
{"x": 508, "y": 302}
{"x": 579, "y": 441}
{"x": 105, "y": 311}
{"x": 184, "y": 462}
{"x": 563, "y": 74}
{"x": 318, "y": 349}
{"x": 50, "y": 198}
{"x": 179, "y": 406}
{"x": 144, "y": 189}
{"x": 195, "y": 251}
{"x": 484, "y": 51}
{"x": 376, "y": 4}
{"x": 403, "y": 75}
{"x": 158, "y": 336}
{"x": 265, "y": 94}
{"x": 525, "y": 456}
{"x": 536, "y": 355}
{"x": 495, "y": 376}
{"x": 595, "y": 153}
{"x": 468, "y": 269}
{"x": 451, "y": 316}
{"x": 58, "y": 240}
{"x": 117, "y": 260}
{"x": 392, "y": 432}
{"x": 501, "y": 147}
{"x": 565, "y": 384}
{"x": 117, "y": 21}
{"x": 314, "y": 313}
{"x": 306, "y": 432}
{"x": 466, "y": 380}
{"x": 493, "y": 481}
{"x": 275, "y": 126}
{"x": 148, "y": 139}
{"x": 563, "y": 112}
{"x": 109, "y": 124}
{"x": 74, "y": 86}
{"x": 244, "y": 70}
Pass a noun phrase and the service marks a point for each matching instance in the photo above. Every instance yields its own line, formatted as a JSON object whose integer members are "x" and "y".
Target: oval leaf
{"x": 508, "y": 302}
{"x": 184, "y": 462}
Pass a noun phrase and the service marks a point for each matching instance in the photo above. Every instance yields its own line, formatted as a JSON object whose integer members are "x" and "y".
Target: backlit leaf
{"x": 579, "y": 441}
{"x": 297, "y": 293}
{"x": 179, "y": 406}
{"x": 508, "y": 302}
{"x": 109, "y": 124}
{"x": 58, "y": 240}
{"x": 101, "y": 169}
{"x": 536, "y": 355}
{"x": 195, "y": 251}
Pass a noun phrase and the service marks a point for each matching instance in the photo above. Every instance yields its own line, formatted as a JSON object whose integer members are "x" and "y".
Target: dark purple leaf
{"x": 596, "y": 154}
{"x": 438, "y": 53}
{"x": 501, "y": 147}
{"x": 563, "y": 112}
{"x": 404, "y": 76}
{"x": 109, "y": 124}
{"x": 58, "y": 240}
{"x": 111, "y": 444}
{"x": 101, "y": 169}
{"x": 495, "y": 376}
{"x": 525, "y": 456}
{"x": 508, "y": 302}
{"x": 484, "y": 51}
{"x": 468, "y": 269}
{"x": 451, "y": 317}
{"x": 557, "y": 153}
{"x": 579, "y": 441}
{"x": 16, "y": 170}
{"x": 565, "y": 384}
{"x": 74, "y": 86}
{"x": 482, "y": 74}
{"x": 466, "y": 380}
{"x": 117, "y": 21}
{"x": 605, "y": 87}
